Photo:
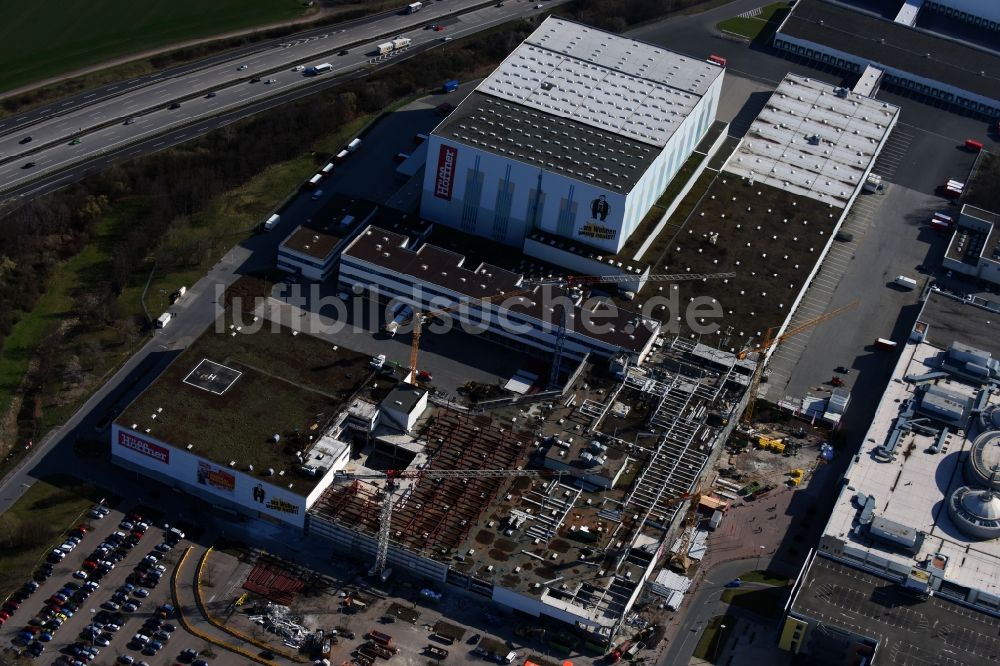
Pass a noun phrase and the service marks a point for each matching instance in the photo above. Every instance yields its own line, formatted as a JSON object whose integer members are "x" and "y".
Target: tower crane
{"x": 770, "y": 342}
{"x": 392, "y": 475}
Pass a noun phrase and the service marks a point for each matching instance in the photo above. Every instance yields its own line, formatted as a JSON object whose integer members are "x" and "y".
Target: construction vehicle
{"x": 771, "y": 342}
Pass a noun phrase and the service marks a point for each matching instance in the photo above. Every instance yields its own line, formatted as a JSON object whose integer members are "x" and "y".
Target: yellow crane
{"x": 770, "y": 342}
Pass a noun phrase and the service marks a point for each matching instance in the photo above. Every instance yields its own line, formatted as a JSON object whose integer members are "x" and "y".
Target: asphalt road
{"x": 88, "y": 131}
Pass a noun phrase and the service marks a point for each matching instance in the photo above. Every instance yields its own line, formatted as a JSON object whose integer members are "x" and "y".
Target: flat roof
{"x": 319, "y": 236}
{"x": 275, "y": 382}
{"x": 442, "y": 268}
{"x": 590, "y": 104}
{"x": 908, "y": 632}
{"x": 811, "y": 141}
{"x": 403, "y": 397}
{"x": 603, "y": 80}
{"x": 950, "y": 319}
{"x": 910, "y": 488}
{"x": 562, "y": 145}
{"x": 895, "y": 45}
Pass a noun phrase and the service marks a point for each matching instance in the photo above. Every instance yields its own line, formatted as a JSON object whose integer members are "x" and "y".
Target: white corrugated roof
{"x": 811, "y": 141}
{"x": 609, "y": 82}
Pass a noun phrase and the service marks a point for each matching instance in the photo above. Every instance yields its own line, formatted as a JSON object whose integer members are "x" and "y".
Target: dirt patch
{"x": 506, "y": 545}
{"x": 498, "y": 555}
{"x": 560, "y": 546}
{"x": 484, "y": 537}
{"x": 403, "y": 613}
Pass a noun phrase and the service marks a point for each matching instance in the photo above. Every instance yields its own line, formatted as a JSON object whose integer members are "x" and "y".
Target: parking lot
{"x": 102, "y": 596}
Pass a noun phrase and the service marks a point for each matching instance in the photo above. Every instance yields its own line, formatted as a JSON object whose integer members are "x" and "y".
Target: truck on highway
{"x": 384, "y": 48}
{"x": 450, "y": 86}
{"x": 318, "y": 69}
{"x": 401, "y": 43}
{"x": 905, "y": 282}
{"x": 414, "y": 7}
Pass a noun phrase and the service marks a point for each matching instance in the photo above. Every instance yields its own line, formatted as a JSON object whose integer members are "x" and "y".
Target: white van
{"x": 164, "y": 319}
{"x": 272, "y": 222}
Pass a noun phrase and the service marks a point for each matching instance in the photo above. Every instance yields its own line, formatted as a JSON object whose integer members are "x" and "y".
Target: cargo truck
{"x": 401, "y": 43}
{"x": 401, "y": 317}
{"x": 905, "y": 282}
{"x": 314, "y": 181}
{"x": 327, "y": 170}
{"x": 163, "y": 319}
{"x": 377, "y": 637}
{"x": 272, "y": 222}
{"x": 353, "y": 146}
{"x": 385, "y": 48}
{"x": 717, "y": 60}
{"x": 414, "y": 7}
{"x": 450, "y": 86}
{"x": 942, "y": 222}
{"x": 318, "y": 69}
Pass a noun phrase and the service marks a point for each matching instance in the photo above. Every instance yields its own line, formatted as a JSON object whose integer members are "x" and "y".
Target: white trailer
{"x": 905, "y": 282}
{"x": 414, "y": 7}
{"x": 319, "y": 69}
{"x": 384, "y": 48}
{"x": 353, "y": 146}
{"x": 272, "y": 222}
{"x": 401, "y": 42}
{"x": 164, "y": 319}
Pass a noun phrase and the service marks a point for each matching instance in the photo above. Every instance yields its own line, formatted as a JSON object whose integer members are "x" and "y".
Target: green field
{"x": 761, "y": 26}
{"x": 35, "y": 524}
{"x": 39, "y": 40}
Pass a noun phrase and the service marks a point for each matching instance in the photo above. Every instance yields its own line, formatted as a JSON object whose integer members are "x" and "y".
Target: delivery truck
{"x": 272, "y": 222}
{"x": 414, "y": 7}
{"x": 318, "y": 69}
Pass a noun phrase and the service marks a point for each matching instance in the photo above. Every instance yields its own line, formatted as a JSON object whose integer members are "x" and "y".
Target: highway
{"x": 99, "y": 123}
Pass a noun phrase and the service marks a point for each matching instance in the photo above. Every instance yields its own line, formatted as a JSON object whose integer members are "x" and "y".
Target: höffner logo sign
{"x": 445, "y": 172}
{"x": 145, "y": 448}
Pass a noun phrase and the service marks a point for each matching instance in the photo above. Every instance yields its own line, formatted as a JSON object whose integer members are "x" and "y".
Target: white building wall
{"x": 463, "y": 187}
{"x": 539, "y": 335}
{"x": 208, "y": 480}
{"x": 931, "y": 88}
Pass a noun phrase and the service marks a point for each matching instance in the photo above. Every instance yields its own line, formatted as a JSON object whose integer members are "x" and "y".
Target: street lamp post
{"x": 759, "y": 553}
{"x": 718, "y": 642}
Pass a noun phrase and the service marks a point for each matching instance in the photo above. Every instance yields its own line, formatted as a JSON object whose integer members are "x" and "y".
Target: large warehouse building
{"x": 577, "y": 133}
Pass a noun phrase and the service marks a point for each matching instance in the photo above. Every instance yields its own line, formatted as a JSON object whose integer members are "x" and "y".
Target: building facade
{"x": 576, "y": 134}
